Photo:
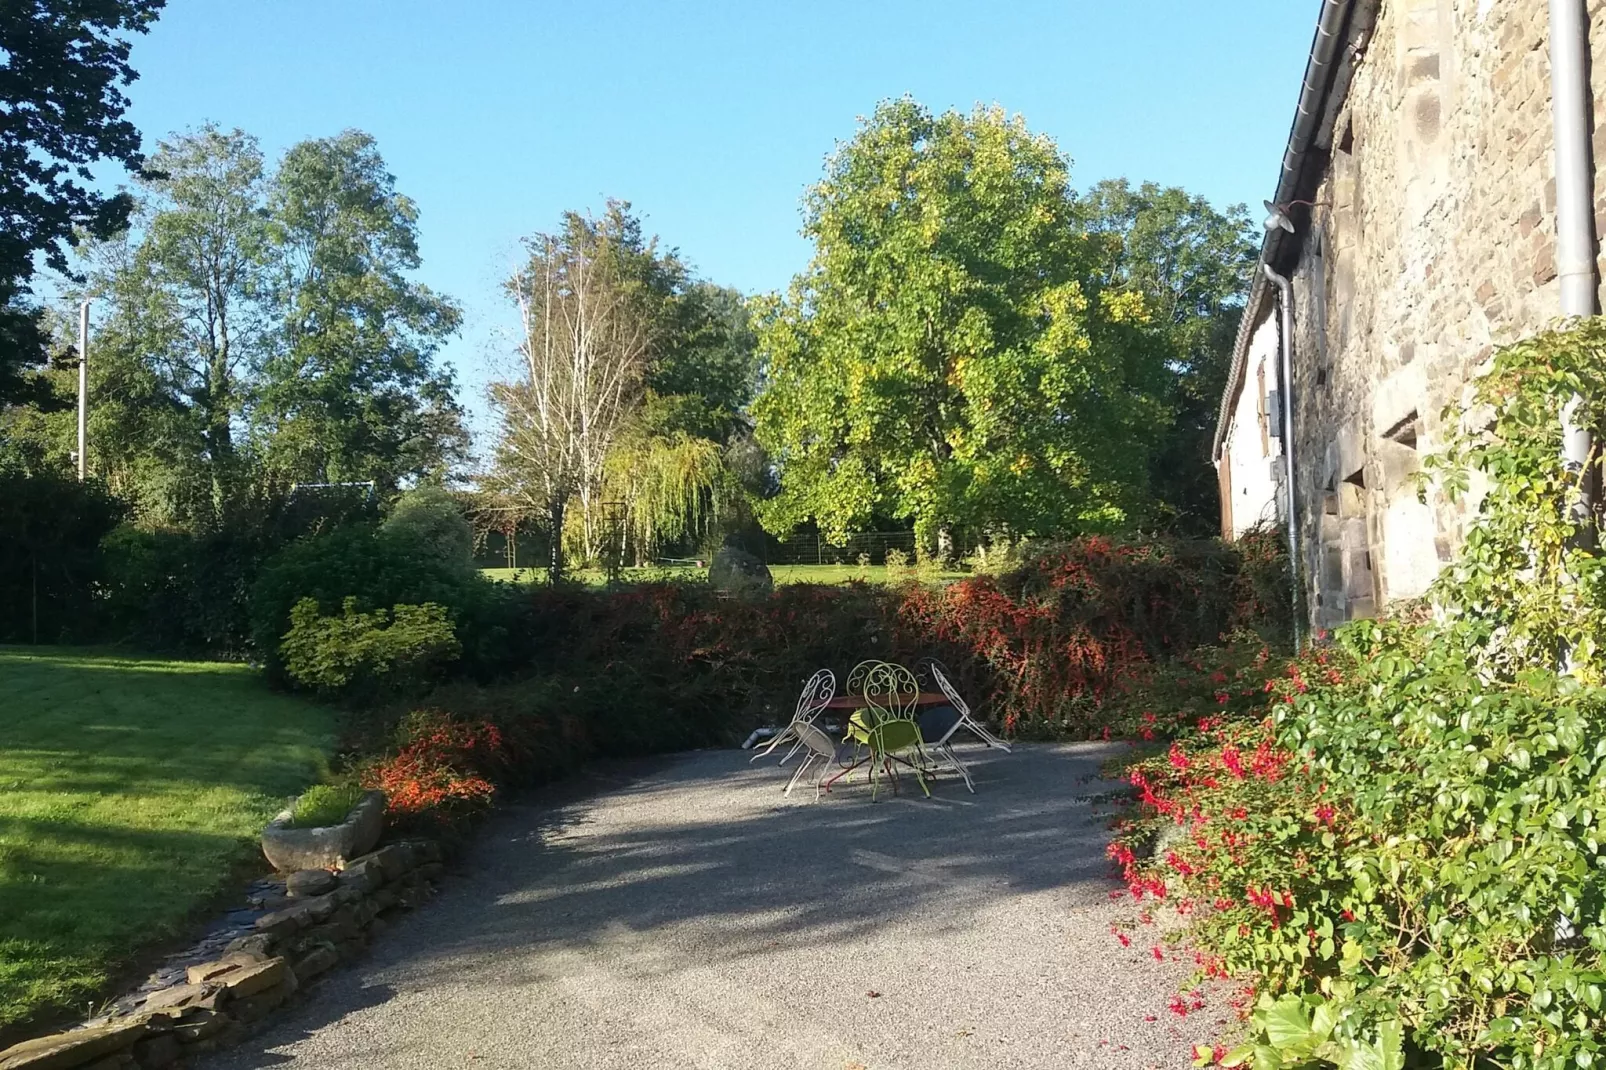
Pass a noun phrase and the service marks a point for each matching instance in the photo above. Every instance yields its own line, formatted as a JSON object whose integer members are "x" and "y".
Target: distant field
{"x": 782, "y": 573}
{"x": 130, "y": 789}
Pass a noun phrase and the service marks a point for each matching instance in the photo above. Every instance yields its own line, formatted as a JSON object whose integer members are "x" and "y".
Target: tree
{"x": 706, "y": 359}
{"x": 259, "y": 328}
{"x": 350, "y": 390}
{"x": 200, "y": 275}
{"x": 948, "y": 357}
{"x": 668, "y": 481}
{"x": 63, "y": 65}
{"x": 671, "y": 469}
{"x": 588, "y": 313}
{"x": 1191, "y": 264}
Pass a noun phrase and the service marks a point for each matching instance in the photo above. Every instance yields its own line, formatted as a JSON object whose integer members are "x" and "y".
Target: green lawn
{"x": 782, "y": 574}
{"x": 130, "y": 790}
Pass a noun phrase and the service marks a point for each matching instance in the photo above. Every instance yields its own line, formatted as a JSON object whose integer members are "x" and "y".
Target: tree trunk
{"x": 945, "y": 545}
{"x": 555, "y": 510}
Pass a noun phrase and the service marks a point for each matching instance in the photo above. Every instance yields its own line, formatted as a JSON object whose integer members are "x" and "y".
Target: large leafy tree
{"x": 1190, "y": 263}
{"x": 63, "y": 67}
{"x": 351, "y": 390}
{"x": 705, "y": 364}
{"x": 201, "y": 275}
{"x": 181, "y": 327}
{"x": 949, "y": 357}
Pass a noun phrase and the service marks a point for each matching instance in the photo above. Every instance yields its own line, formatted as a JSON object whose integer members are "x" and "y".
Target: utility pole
{"x": 83, "y": 391}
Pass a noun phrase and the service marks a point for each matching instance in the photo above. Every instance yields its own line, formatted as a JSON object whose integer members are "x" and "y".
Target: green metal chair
{"x": 886, "y": 725}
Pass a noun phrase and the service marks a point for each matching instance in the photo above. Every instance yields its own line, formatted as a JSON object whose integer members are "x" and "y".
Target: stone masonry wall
{"x": 1432, "y": 243}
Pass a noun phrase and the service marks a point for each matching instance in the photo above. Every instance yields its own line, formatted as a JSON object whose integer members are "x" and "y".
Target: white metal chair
{"x": 937, "y": 728}
{"x": 858, "y": 674}
{"x": 966, "y": 719}
{"x": 821, "y": 751}
{"x": 817, "y": 692}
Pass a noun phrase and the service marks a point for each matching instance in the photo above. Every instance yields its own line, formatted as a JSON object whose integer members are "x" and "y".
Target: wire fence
{"x": 816, "y": 550}
{"x": 529, "y": 549}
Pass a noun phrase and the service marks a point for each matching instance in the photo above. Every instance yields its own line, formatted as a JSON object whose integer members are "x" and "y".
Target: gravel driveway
{"x": 686, "y": 915}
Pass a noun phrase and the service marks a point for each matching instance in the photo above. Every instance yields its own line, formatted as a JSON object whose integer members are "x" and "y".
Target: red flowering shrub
{"x": 1068, "y": 645}
{"x": 1400, "y": 855}
{"x": 442, "y": 766}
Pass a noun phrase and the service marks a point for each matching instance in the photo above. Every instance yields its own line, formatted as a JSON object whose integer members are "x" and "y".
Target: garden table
{"x": 859, "y": 702}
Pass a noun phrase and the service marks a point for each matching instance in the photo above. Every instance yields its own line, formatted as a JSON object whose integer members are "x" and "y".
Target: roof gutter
{"x": 1325, "y": 85}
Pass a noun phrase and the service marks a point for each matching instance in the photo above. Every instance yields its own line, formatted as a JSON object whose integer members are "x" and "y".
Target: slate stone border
{"x": 220, "y": 991}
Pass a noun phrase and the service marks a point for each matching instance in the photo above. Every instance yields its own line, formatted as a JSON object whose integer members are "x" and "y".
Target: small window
{"x": 1357, "y": 478}
{"x": 1263, "y": 410}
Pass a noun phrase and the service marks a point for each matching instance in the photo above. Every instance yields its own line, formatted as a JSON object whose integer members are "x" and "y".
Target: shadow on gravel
{"x": 700, "y": 860}
{"x": 708, "y": 840}
{"x": 308, "y": 1018}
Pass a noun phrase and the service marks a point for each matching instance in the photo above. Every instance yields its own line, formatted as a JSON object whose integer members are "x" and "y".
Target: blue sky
{"x": 496, "y": 115}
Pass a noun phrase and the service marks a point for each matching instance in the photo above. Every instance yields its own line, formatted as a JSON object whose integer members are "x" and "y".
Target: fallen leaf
{"x": 873, "y": 994}
{"x": 965, "y": 1033}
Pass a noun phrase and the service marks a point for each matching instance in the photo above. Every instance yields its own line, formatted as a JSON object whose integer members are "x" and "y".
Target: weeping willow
{"x": 667, "y": 487}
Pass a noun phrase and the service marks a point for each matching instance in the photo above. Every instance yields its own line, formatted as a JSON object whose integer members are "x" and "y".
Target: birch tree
{"x": 588, "y": 330}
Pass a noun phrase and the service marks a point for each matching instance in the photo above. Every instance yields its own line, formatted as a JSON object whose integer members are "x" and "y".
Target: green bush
{"x": 428, "y": 520}
{"x": 189, "y": 591}
{"x": 358, "y": 562}
{"x": 366, "y": 653}
{"x": 180, "y": 591}
{"x": 50, "y": 566}
{"x": 323, "y": 805}
{"x": 1404, "y": 850}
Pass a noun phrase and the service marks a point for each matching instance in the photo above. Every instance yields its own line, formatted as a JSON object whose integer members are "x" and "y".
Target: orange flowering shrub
{"x": 441, "y": 766}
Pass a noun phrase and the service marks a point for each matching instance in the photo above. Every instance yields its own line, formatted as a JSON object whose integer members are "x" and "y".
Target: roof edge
{"x": 1322, "y": 93}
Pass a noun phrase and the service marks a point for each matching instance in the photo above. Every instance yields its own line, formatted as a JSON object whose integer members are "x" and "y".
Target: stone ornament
{"x": 292, "y": 849}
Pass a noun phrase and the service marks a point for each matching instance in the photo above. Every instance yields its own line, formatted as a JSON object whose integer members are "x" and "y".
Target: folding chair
{"x": 816, "y": 693}
{"x": 966, "y": 719}
{"x": 937, "y": 727}
{"x": 820, "y": 749}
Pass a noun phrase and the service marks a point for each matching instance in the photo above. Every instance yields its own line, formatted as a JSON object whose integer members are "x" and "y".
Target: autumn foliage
{"x": 1085, "y": 640}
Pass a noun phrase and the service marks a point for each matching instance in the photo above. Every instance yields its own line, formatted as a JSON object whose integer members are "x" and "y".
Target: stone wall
{"x": 320, "y": 919}
{"x": 1432, "y": 243}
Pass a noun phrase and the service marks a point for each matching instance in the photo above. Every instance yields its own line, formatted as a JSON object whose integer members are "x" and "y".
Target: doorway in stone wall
{"x": 1360, "y": 579}
{"x": 1346, "y": 580}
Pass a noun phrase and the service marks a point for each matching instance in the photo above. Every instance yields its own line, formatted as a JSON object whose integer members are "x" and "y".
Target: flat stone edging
{"x": 220, "y": 1003}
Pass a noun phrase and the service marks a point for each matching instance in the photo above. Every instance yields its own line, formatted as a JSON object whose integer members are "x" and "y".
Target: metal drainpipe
{"x": 1285, "y": 301}
{"x": 1571, "y": 104}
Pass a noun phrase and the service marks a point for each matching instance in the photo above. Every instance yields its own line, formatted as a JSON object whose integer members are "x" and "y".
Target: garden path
{"x": 684, "y": 914}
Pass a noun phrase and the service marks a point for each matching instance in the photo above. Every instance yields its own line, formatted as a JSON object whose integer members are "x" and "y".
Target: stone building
{"x": 1415, "y": 226}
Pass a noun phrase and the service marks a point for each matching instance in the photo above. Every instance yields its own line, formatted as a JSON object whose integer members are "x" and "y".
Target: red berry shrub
{"x": 1089, "y": 639}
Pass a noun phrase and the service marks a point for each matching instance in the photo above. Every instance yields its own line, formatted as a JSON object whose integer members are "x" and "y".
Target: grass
{"x": 323, "y": 805}
{"x": 131, "y": 790}
{"x": 832, "y": 574}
